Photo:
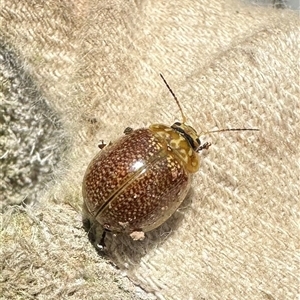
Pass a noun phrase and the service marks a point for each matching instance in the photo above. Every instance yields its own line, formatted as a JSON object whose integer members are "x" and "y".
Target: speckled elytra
{"x": 136, "y": 183}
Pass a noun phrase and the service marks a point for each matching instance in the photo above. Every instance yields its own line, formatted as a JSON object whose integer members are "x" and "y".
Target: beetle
{"x": 136, "y": 183}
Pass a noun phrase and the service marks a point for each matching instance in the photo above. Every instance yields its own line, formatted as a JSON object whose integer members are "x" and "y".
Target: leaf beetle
{"x": 136, "y": 183}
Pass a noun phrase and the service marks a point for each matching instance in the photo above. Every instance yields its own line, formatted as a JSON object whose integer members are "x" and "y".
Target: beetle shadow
{"x": 122, "y": 250}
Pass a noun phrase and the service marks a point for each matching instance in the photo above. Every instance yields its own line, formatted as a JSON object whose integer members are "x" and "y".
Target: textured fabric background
{"x": 95, "y": 68}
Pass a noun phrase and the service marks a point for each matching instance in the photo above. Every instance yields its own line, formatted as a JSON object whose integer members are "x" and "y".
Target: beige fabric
{"x": 236, "y": 235}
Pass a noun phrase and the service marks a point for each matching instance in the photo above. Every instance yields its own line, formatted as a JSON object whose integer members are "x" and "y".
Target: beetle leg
{"x": 101, "y": 245}
{"x": 102, "y": 144}
{"x": 204, "y": 146}
{"x": 128, "y": 130}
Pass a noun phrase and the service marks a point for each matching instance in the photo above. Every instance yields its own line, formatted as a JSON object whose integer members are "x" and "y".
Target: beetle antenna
{"x": 232, "y": 129}
{"x": 207, "y": 145}
{"x": 174, "y": 96}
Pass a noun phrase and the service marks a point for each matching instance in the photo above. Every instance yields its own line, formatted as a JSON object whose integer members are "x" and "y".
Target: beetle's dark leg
{"x": 128, "y": 130}
{"x": 102, "y": 144}
{"x": 204, "y": 146}
{"x": 102, "y": 245}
